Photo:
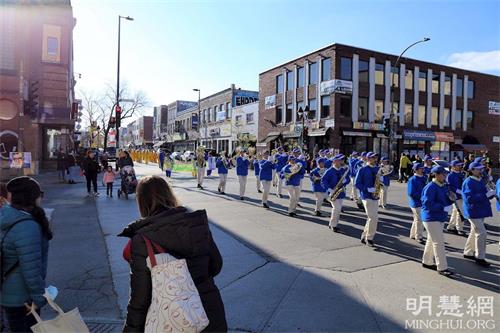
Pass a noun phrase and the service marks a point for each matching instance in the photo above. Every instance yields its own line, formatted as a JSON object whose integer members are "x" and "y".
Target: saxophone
{"x": 339, "y": 188}
{"x": 378, "y": 184}
{"x": 387, "y": 169}
{"x": 321, "y": 173}
{"x": 293, "y": 170}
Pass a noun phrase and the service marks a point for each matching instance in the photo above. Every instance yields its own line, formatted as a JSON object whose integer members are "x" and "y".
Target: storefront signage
{"x": 419, "y": 135}
{"x": 444, "y": 137}
{"x": 336, "y": 86}
{"x": 330, "y": 123}
{"x": 368, "y": 126}
{"x": 270, "y": 102}
{"x": 494, "y": 108}
{"x": 349, "y": 133}
{"x": 244, "y": 97}
{"x": 496, "y": 139}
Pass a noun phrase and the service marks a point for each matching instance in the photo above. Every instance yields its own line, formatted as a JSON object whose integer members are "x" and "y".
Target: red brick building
{"x": 439, "y": 109}
{"x": 36, "y": 67}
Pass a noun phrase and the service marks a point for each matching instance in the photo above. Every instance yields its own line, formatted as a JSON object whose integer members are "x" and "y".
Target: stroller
{"x": 129, "y": 181}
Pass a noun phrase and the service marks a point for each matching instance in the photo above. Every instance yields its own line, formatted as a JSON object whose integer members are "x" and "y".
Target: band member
{"x": 334, "y": 181}
{"x": 328, "y": 156}
{"x": 266, "y": 176}
{"x": 361, "y": 163}
{"x": 416, "y": 185}
{"x": 281, "y": 159}
{"x": 291, "y": 174}
{"x": 427, "y": 167}
{"x": 387, "y": 170}
{"x": 435, "y": 207}
{"x": 242, "y": 163}
{"x": 300, "y": 159}
{"x": 353, "y": 167}
{"x": 256, "y": 169}
{"x": 455, "y": 181}
{"x": 317, "y": 188}
{"x": 200, "y": 164}
{"x": 476, "y": 207}
{"x": 168, "y": 165}
{"x": 365, "y": 183}
{"x": 223, "y": 164}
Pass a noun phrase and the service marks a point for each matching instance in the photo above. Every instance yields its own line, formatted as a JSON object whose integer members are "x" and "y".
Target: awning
{"x": 471, "y": 147}
{"x": 318, "y": 132}
{"x": 158, "y": 144}
{"x": 288, "y": 135}
{"x": 271, "y": 137}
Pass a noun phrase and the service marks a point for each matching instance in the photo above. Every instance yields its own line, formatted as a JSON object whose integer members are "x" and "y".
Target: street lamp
{"x": 117, "y": 103}
{"x": 304, "y": 113}
{"x": 392, "y": 118}
{"x": 199, "y": 118}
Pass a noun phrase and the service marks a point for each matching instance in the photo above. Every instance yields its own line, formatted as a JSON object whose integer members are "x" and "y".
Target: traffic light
{"x": 387, "y": 127}
{"x": 31, "y": 105}
{"x": 118, "y": 111}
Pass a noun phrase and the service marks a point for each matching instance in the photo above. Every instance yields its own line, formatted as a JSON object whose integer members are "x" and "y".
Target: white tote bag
{"x": 64, "y": 322}
{"x": 175, "y": 302}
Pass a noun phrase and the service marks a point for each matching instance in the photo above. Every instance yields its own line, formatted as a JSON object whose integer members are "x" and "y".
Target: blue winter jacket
{"x": 24, "y": 243}
{"x": 455, "y": 181}
{"x": 242, "y": 166}
{"x": 281, "y": 161}
{"x": 221, "y": 167}
{"x": 316, "y": 186}
{"x": 365, "y": 179}
{"x": 293, "y": 180}
{"x": 427, "y": 171}
{"x": 434, "y": 199}
{"x": 256, "y": 167}
{"x": 328, "y": 163}
{"x": 416, "y": 185}
{"x": 266, "y": 170}
{"x": 476, "y": 204}
{"x": 332, "y": 177}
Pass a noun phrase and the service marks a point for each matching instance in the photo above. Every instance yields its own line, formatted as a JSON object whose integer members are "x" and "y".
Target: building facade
{"x": 245, "y": 125}
{"x": 186, "y": 133}
{"x": 139, "y": 133}
{"x": 438, "y": 109}
{"x": 172, "y": 110}
{"x": 37, "y": 111}
{"x": 160, "y": 123}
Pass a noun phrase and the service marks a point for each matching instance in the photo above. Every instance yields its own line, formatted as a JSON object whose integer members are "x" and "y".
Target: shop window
{"x": 313, "y": 107}
{"x": 345, "y": 106}
{"x": 325, "y": 106}
{"x": 470, "y": 89}
{"x": 409, "y": 79}
{"x": 279, "y": 83}
{"x": 289, "y": 111}
{"x": 51, "y": 45}
{"x": 422, "y": 81}
{"x": 279, "y": 114}
{"x": 421, "y": 114}
{"x": 446, "y": 117}
{"x": 289, "y": 80}
{"x": 447, "y": 85}
{"x": 379, "y": 111}
{"x": 435, "y": 116}
{"x": 345, "y": 68}
{"x": 470, "y": 119}
{"x": 300, "y": 77}
{"x": 363, "y": 109}
{"x": 313, "y": 73}
{"x": 395, "y": 73}
{"x": 228, "y": 110}
{"x": 458, "y": 119}
{"x": 379, "y": 74}
{"x": 55, "y": 140}
{"x": 435, "y": 83}
{"x": 363, "y": 71}
{"x": 326, "y": 67}
{"x": 395, "y": 110}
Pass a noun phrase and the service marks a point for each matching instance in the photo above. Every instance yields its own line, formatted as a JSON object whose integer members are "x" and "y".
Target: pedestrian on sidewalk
{"x": 90, "y": 169}
{"x": 25, "y": 243}
{"x": 62, "y": 166}
{"x": 108, "y": 179}
{"x": 181, "y": 233}
{"x": 124, "y": 160}
{"x": 72, "y": 168}
{"x": 168, "y": 165}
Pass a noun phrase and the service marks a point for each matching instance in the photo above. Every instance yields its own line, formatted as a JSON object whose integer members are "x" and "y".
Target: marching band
{"x": 433, "y": 194}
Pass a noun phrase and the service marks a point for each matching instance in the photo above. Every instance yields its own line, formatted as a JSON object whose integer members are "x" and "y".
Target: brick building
{"x": 36, "y": 80}
{"x": 139, "y": 133}
{"x": 439, "y": 109}
{"x": 160, "y": 122}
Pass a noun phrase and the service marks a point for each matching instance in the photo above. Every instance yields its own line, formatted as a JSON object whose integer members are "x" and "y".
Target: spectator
{"x": 124, "y": 160}
{"x": 185, "y": 234}
{"x": 62, "y": 166}
{"x": 26, "y": 233}
{"x": 104, "y": 160}
{"x": 90, "y": 169}
{"x": 72, "y": 168}
{"x": 404, "y": 164}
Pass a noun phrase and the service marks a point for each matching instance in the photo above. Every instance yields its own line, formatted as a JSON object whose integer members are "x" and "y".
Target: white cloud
{"x": 488, "y": 61}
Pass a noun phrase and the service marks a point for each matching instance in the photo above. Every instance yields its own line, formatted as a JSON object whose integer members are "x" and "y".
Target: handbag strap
{"x": 149, "y": 247}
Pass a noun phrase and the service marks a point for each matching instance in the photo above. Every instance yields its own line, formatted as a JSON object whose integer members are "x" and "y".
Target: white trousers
{"x": 434, "y": 250}
{"x": 279, "y": 183}
{"x": 243, "y": 184}
{"x": 266, "y": 188}
{"x": 383, "y": 195}
{"x": 274, "y": 177}
{"x": 455, "y": 220}
{"x": 354, "y": 190}
{"x": 476, "y": 242}
{"x": 222, "y": 181}
{"x": 417, "y": 227}
{"x": 371, "y": 208}
{"x": 294, "y": 193}
{"x": 258, "y": 183}
{"x": 336, "y": 208}
{"x": 320, "y": 196}
{"x": 200, "y": 175}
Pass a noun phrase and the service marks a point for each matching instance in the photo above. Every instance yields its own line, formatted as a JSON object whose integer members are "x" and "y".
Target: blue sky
{"x": 174, "y": 46}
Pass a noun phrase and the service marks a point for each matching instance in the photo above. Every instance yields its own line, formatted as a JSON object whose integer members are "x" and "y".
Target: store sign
{"x": 368, "y": 126}
{"x": 194, "y": 121}
{"x": 336, "y": 86}
{"x": 444, "y": 137}
{"x": 244, "y": 97}
{"x": 349, "y": 133}
{"x": 419, "y": 135}
{"x": 330, "y": 123}
{"x": 494, "y": 108}
{"x": 270, "y": 102}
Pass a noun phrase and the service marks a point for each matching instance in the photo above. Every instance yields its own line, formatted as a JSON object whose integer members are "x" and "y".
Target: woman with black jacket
{"x": 90, "y": 169}
{"x": 182, "y": 234}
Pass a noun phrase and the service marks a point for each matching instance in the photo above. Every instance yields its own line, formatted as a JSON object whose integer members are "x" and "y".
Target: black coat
{"x": 90, "y": 166}
{"x": 185, "y": 235}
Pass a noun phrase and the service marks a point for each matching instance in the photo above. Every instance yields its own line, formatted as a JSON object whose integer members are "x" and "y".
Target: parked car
{"x": 176, "y": 156}
{"x": 442, "y": 163}
{"x": 188, "y": 156}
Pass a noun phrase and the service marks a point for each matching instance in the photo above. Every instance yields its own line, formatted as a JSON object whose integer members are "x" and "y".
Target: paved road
{"x": 293, "y": 274}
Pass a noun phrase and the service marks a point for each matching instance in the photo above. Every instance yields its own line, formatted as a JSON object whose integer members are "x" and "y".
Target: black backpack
{"x": 16, "y": 264}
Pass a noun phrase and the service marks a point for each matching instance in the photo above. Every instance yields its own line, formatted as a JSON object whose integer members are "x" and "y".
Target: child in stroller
{"x": 128, "y": 183}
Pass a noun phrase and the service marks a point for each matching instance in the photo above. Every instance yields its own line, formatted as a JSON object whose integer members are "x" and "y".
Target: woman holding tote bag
{"x": 181, "y": 234}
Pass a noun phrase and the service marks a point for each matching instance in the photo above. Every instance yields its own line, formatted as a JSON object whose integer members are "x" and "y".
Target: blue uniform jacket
{"x": 266, "y": 170}
{"x": 434, "y": 199}
{"x": 476, "y": 204}
{"x": 303, "y": 169}
{"x": 293, "y": 180}
{"x": 455, "y": 181}
{"x": 328, "y": 163}
{"x": 416, "y": 185}
{"x": 256, "y": 167}
{"x": 353, "y": 166}
{"x": 316, "y": 186}
{"x": 24, "y": 243}
{"x": 242, "y": 166}
{"x": 281, "y": 160}
{"x": 221, "y": 167}
{"x": 386, "y": 180}
{"x": 331, "y": 178}
{"x": 366, "y": 179}
{"x": 427, "y": 171}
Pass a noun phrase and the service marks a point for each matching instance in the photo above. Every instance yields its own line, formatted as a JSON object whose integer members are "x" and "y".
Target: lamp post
{"x": 304, "y": 113}
{"x": 198, "y": 142}
{"x": 117, "y": 102}
{"x": 392, "y": 118}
